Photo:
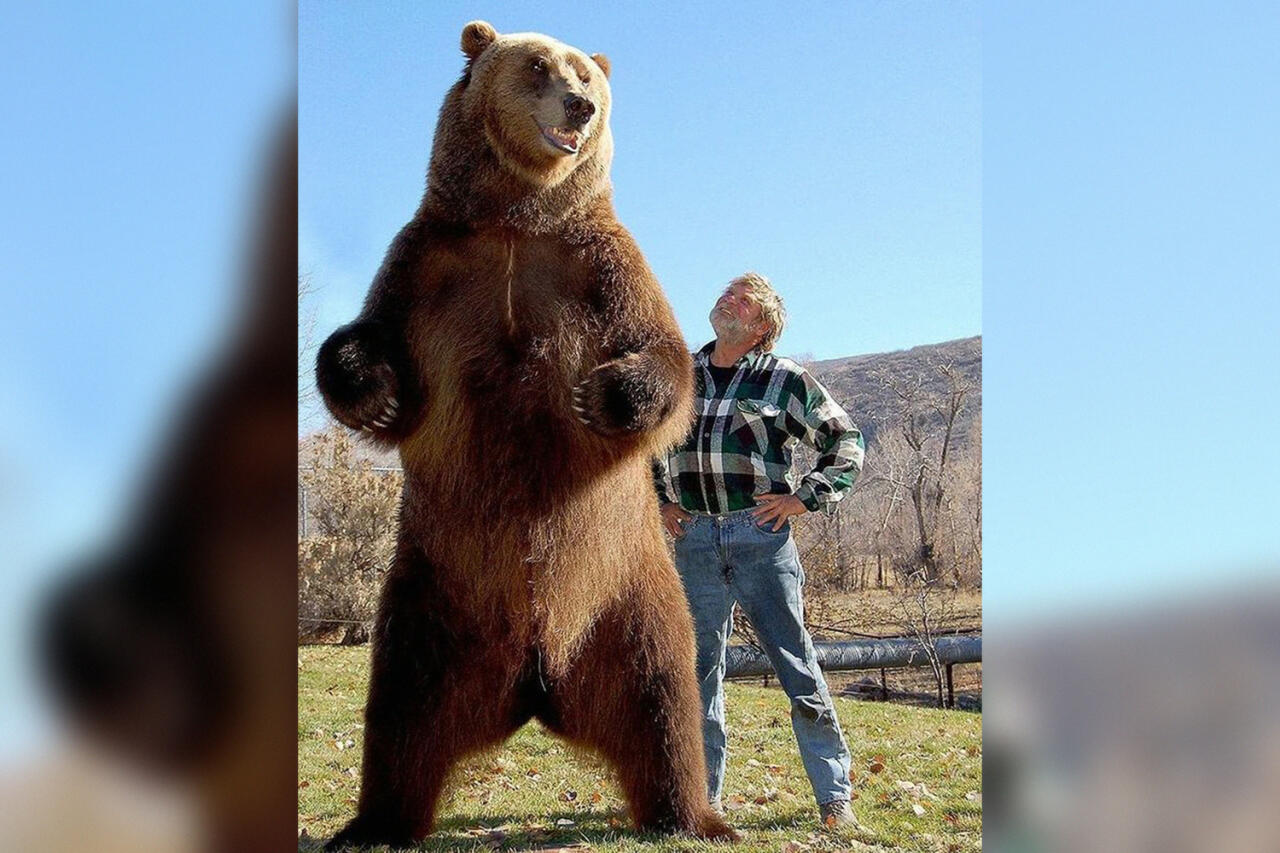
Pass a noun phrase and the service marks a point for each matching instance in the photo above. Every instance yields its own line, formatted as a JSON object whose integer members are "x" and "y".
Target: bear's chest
{"x": 506, "y": 314}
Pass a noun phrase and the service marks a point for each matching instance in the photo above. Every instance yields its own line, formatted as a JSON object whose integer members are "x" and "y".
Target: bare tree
{"x": 888, "y": 476}
{"x": 924, "y": 609}
{"x": 306, "y": 339}
{"x": 962, "y": 511}
{"x": 917, "y": 445}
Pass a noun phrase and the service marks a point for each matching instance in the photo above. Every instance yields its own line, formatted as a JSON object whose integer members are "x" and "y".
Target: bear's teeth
{"x": 562, "y": 137}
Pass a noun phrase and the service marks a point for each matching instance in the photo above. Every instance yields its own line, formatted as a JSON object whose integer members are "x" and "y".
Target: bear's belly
{"x": 545, "y": 566}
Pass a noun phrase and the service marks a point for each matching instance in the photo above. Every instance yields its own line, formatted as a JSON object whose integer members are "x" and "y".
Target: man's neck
{"x": 727, "y": 353}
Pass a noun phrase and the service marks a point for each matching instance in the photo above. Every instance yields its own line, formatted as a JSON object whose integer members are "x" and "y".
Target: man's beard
{"x": 728, "y": 328}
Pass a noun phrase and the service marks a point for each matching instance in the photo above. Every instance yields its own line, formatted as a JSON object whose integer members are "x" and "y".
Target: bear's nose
{"x": 578, "y": 109}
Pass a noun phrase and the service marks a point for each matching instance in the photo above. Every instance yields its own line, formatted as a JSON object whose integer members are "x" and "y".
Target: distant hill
{"x": 852, "y": 380}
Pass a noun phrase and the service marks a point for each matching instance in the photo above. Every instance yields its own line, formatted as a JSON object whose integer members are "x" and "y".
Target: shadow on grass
{"x": 798, "y": 823}
{"x": 589, "y": 830}
{"x": 518, "y": 832}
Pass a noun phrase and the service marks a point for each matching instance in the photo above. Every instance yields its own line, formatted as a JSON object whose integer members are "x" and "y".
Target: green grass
{"x": 537, "y": 793}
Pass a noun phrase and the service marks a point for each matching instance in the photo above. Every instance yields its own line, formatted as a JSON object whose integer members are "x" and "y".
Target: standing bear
{"x": 517, "y": 350}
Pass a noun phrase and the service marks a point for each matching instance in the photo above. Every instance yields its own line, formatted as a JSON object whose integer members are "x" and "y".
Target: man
{"x": 730, "y": 520}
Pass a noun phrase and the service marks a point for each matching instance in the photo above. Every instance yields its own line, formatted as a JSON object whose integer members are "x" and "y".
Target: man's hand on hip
{"x": 673, "y": 518}
{"x": 776, "y": 508}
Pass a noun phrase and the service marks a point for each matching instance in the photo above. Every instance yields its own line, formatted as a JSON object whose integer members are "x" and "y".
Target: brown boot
{"x": 837, "y": 815}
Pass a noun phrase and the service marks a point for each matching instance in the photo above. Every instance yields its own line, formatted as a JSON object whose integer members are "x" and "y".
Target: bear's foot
{"x": 357, "y": 381}
{"x": 365, "y": 832}
{"x": 707, "y": 826}
{"x": 711, "y": 827}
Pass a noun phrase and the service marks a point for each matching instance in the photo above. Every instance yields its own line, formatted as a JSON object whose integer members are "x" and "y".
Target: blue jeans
{"x": 727, "y": 558}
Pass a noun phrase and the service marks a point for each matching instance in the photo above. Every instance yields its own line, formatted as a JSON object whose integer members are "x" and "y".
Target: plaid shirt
{"x": 744, "y": 434}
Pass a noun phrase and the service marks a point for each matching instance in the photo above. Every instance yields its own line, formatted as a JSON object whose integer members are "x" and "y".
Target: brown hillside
{"x": 855, "y": 380}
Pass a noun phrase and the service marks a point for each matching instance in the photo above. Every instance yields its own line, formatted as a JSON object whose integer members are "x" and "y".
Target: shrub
{"x": 352, "y": 512}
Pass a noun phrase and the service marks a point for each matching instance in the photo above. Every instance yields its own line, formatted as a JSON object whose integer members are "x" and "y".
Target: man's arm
{"x": 825, "y": 426}
{"x": 659, "y": 465}
{"x": 673, "y": 515}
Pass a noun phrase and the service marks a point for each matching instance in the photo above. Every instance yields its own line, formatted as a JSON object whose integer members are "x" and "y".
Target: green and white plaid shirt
{"x": 744, "y": 434}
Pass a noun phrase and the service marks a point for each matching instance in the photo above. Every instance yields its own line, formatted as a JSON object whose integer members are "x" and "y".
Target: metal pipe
{"x": 890, "y": 652}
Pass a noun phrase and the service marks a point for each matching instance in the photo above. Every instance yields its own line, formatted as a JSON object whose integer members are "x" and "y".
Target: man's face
{"x": 736, "y": 316}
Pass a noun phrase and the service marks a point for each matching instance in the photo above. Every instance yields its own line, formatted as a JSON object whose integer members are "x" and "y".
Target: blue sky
{"x": 835, "y": 150}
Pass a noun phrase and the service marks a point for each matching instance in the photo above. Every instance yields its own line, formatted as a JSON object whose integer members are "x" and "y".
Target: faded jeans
{"x": 727, "y": 558}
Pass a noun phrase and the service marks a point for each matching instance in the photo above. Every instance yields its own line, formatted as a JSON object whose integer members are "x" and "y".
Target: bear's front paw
{"x": 622, "y": 396}
{"x": 357, "y": 381}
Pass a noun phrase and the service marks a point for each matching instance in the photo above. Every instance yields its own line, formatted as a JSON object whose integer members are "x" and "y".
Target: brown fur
{"x": 531, "y": 578}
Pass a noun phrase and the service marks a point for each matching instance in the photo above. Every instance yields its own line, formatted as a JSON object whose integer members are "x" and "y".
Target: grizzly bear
{"x": 518, "y": 351}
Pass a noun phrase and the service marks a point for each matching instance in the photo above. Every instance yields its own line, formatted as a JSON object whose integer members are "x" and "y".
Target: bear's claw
{"x": 714, "y": 828}
{"x": 579, "y": 405}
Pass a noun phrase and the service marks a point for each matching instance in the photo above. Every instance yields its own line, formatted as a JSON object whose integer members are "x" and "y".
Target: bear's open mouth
{"x": 563, "y": 138}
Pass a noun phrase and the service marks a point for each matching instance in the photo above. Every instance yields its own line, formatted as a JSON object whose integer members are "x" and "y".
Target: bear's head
{"x": 543, "y": 105}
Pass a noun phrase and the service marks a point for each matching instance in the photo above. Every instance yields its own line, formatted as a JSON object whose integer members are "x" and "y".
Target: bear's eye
{"x": 539, "y": 65}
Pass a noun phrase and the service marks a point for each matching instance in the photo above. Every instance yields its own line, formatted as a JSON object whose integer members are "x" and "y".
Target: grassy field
{"x": 917, "y": 775}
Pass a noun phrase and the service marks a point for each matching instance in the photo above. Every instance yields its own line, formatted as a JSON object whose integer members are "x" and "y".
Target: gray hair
{"x": 772, "y": 311}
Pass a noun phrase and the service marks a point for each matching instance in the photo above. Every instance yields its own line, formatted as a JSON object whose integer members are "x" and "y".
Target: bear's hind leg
{"x": 632, "y": 696}
{"x": 431, "y": 702}
{"x": 406, "y": 764}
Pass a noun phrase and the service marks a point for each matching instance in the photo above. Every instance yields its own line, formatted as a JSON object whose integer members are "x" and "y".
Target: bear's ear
{"x": 476, "y": 36}
{"x": 603, "y": 61}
